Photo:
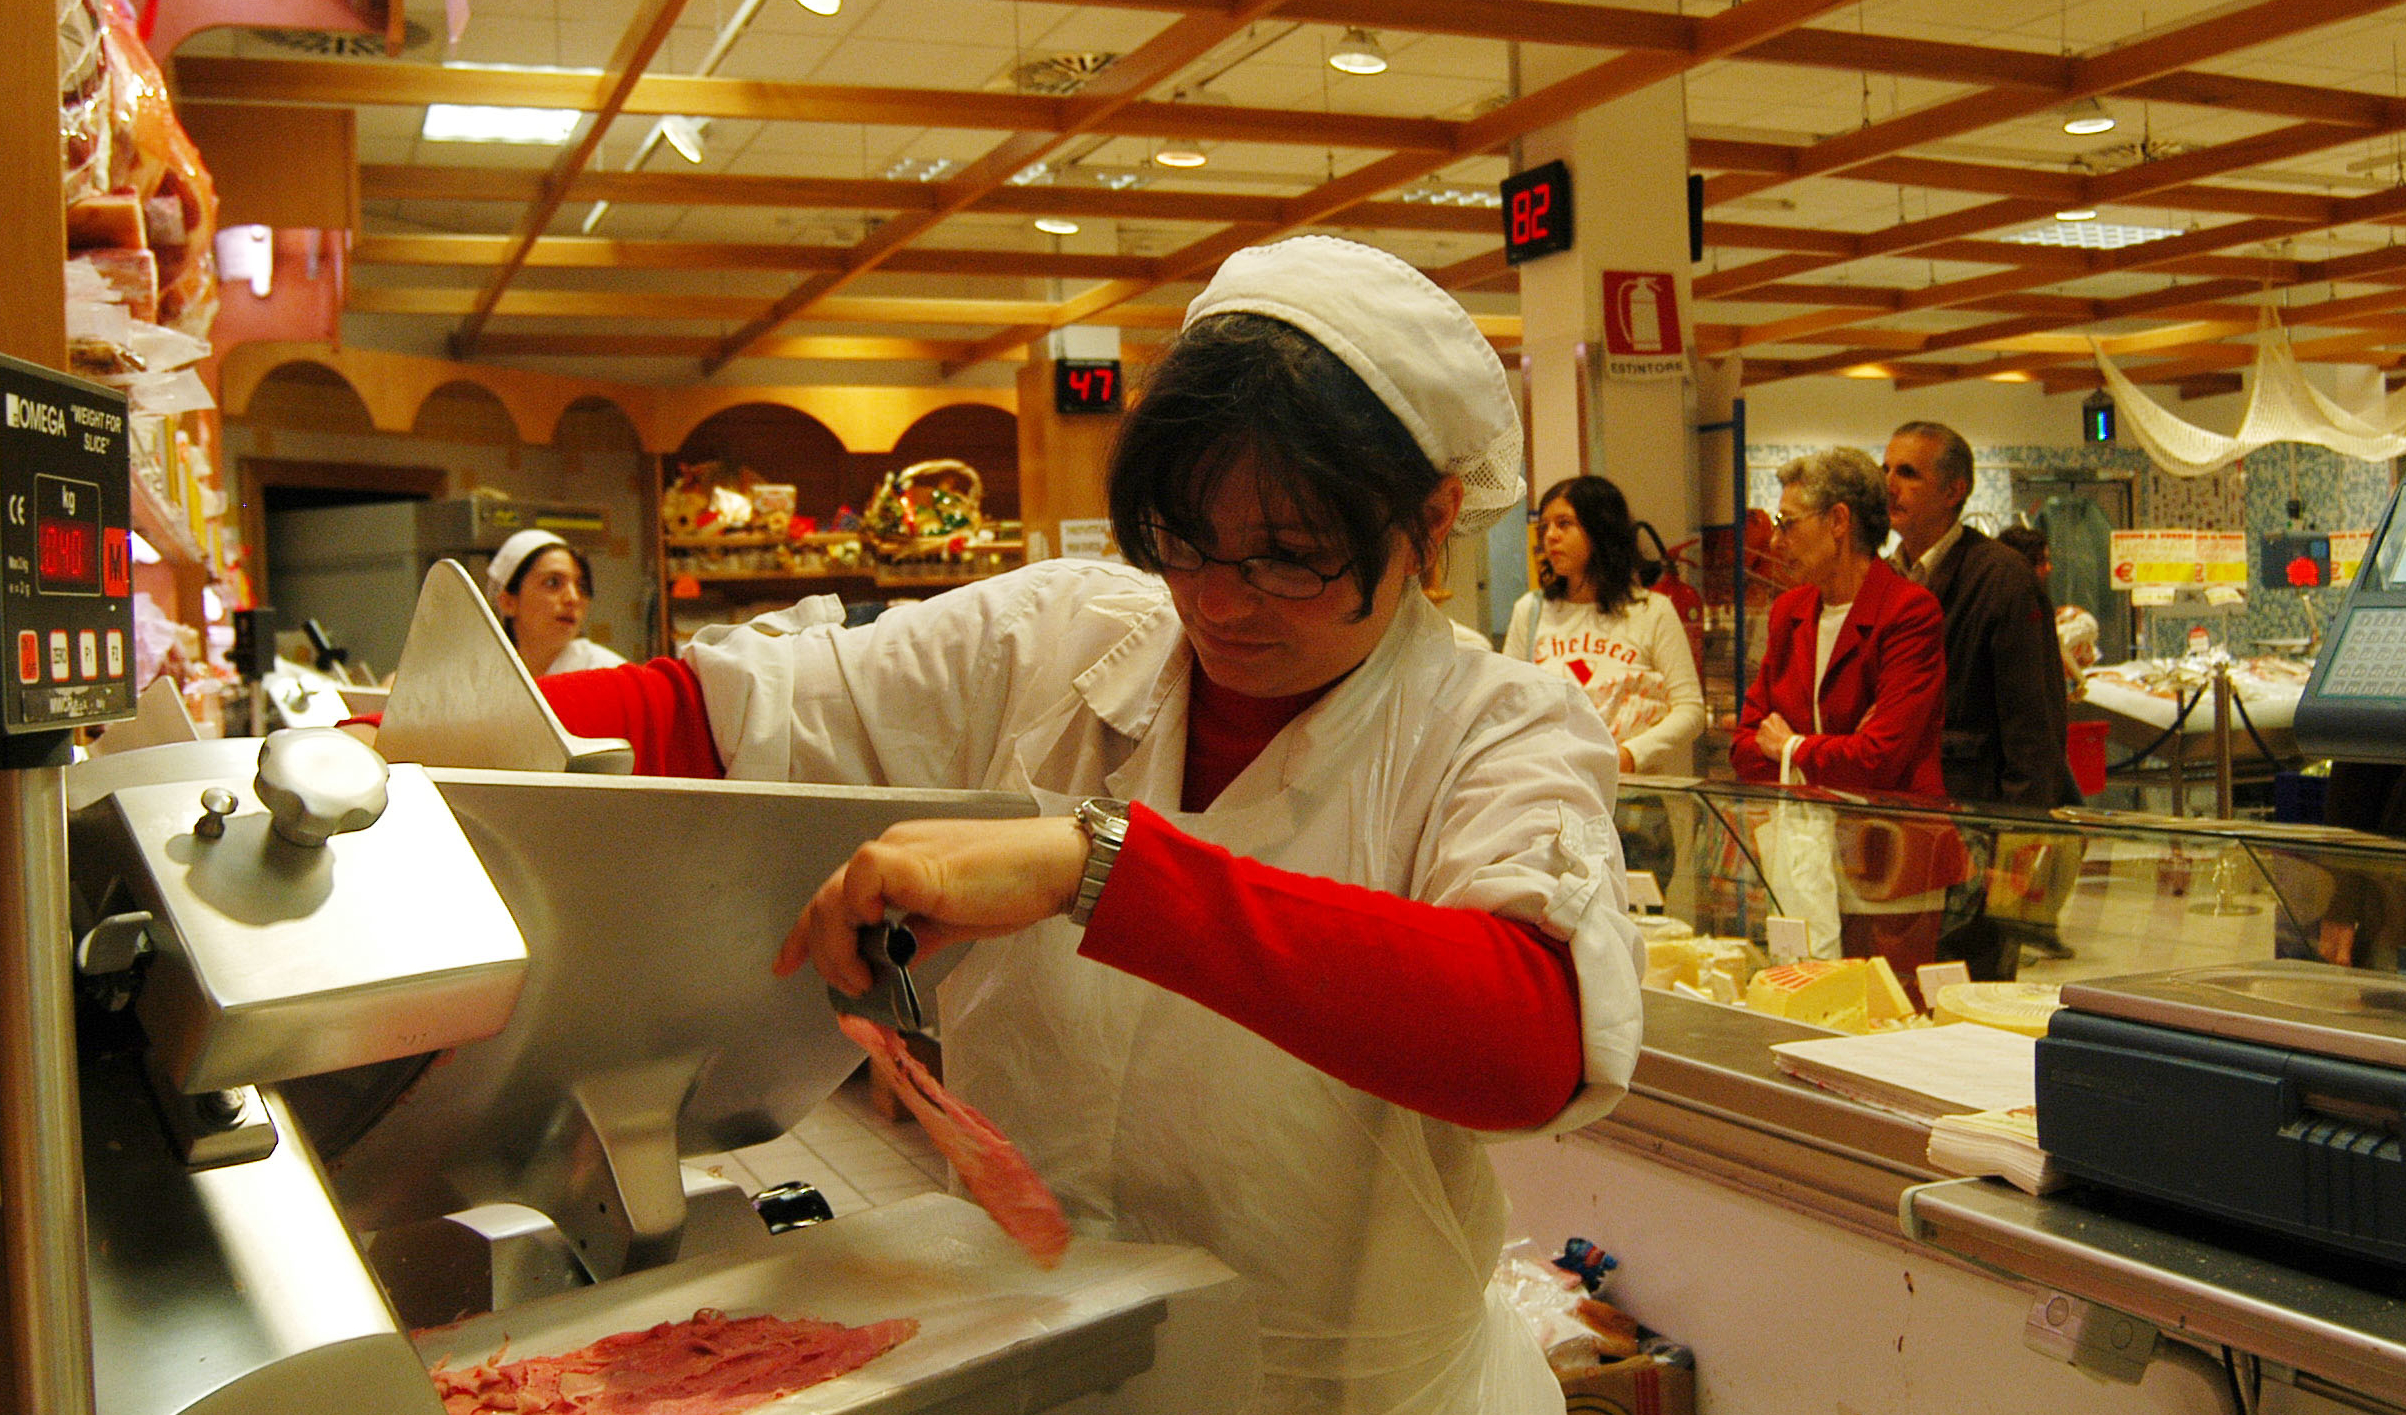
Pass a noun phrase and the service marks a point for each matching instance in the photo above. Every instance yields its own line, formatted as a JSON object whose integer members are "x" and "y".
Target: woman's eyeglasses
{"x": 1273, "y": 575}
{"x": 1785, "y": 524}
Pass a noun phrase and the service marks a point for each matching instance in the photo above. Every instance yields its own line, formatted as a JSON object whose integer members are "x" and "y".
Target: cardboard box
{"x": 1637, "y": 1385}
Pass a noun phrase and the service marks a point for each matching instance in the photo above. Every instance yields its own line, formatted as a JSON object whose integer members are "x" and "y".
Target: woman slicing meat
{"x": 1319, "y": 900}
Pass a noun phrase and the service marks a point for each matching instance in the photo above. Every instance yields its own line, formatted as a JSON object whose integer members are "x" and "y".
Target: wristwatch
{"x": 1105, "y": 822}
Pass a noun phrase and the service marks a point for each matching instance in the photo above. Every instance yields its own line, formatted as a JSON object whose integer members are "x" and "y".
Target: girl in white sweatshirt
{"x": 1591, "y": 621}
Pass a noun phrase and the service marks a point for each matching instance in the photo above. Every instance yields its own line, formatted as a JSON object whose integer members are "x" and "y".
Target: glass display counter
{"x": 1719, "y": 1163}
{"x": 2046, "y": 896}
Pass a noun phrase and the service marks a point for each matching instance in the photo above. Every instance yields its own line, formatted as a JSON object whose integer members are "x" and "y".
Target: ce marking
{"x": 16, "y": 508}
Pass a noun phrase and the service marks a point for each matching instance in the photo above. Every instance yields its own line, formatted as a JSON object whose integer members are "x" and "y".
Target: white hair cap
{"x": 1409, "y": 340}
{"x": 514, "y": 553}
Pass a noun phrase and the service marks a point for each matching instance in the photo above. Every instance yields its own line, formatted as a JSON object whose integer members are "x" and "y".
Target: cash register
{"x": 2267, "y": 1093}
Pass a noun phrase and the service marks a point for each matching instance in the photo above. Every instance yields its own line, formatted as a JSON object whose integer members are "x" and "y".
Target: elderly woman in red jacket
{"x": 1853, "y": 680}
{"x": 1850, "y": 695}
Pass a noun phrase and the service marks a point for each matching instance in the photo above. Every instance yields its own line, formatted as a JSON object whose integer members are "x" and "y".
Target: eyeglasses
{"x": 1273, "y": 575}
{"x": 1785, "y": 524}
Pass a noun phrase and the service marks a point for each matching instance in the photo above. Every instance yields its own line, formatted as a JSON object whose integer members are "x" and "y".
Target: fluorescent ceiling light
{"x": 1358, "y": 53}
{"x": 2078, "y": 213}
{"x": 2090, "y": 235}
{"x": 2087, "y": 117}
{"x": 462, "y": 122}
{"x": 1056, "y": 226}
{"x": 822, "y": 7}
{"x": 684, "y": 133}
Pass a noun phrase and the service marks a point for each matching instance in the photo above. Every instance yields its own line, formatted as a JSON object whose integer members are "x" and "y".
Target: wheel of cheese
{"x": 2015, "y": 1007}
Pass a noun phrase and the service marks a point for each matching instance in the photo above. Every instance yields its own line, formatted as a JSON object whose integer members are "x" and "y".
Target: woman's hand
{"x": 1628, "y": 762}
{"x": 1772, "y": 735}
{"x": 956, "y": 879}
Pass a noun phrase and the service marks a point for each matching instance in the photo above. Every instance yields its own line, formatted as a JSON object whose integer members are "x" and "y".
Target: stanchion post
{"x": 2222, "y": 740}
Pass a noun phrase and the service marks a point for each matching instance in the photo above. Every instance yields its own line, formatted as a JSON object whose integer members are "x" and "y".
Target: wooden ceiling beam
{"x": 621, "y": 304}
{"x": 1127, "y": 80}
{"x": 838, "y": 347}
{"x": 1553, "y": 22}
{"x": 321, "y": 81}
{"x": 2153, "y": 57}
{"x": 1716, "y": 36}
{"x": 394, "y": 183}
{"x": 596, "y": 253}
{"x": 646, "y": 31}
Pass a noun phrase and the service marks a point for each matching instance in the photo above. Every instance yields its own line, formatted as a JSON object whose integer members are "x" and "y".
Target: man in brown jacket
{"x": 2005, "y": 701}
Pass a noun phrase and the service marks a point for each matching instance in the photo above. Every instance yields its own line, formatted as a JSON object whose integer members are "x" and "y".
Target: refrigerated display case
{"x": 1721, "y": 1181}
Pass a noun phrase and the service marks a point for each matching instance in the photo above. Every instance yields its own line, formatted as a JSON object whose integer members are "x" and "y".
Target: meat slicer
{"x": 376, "y": 1040}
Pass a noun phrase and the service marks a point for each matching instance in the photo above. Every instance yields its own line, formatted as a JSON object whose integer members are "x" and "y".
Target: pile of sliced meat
{"x": 707, "y": 1365}
{"x": 992, "y": 1169}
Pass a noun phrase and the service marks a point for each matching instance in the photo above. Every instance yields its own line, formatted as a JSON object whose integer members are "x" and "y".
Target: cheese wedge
{"x": 1884, "y": 997}
{"x": 1820, "y": 992}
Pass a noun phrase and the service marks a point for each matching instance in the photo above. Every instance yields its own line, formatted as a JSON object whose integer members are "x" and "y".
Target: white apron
{"x": 1368, "y": 1231}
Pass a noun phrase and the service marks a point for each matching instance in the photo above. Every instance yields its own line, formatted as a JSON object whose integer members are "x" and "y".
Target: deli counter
{"x": 1803, "y": 1241}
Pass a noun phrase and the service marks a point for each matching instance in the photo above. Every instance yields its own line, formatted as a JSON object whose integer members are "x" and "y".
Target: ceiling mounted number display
{"x": 1537, "y": 212}
{"x": 1086, "y": 386}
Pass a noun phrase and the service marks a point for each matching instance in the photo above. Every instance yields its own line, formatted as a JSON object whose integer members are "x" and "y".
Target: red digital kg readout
{"x": 69, "y": 553}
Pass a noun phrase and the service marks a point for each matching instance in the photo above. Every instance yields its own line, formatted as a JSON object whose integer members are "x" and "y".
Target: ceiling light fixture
{"x": 476, "y": 122}
{"x": 684, "y": 133}
{"x": 1056, "y": 226}
{"x": 822, "y": 7}
{"x": 1181, "y": 152}
{"x": 1358, "y": 53}
{"x": 2078, "y": 213}
{"x": 2087, "y": 117}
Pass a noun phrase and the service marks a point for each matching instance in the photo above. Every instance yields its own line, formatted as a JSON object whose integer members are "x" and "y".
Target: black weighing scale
{"x": 2269, "y": 1093}
{"x": 66, "y": 552}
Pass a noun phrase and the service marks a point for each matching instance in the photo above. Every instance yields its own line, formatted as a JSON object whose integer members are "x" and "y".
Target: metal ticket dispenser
{"x": 2354, "y": 705}
{"x": 66, "y": 616}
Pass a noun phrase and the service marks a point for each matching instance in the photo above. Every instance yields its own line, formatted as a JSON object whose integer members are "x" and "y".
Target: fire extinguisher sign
{"x": 1641, "y": 325}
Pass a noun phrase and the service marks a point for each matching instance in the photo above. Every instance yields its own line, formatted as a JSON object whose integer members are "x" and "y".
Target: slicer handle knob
{"x": 319, "y": 782}
{"x": 216, "y": 804}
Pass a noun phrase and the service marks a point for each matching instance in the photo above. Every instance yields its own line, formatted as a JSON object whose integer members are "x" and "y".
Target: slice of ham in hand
{"x": 996, "y": 1174}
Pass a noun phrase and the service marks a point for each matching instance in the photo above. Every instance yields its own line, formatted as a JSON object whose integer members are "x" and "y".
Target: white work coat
{"x": 1368, "y": 1231}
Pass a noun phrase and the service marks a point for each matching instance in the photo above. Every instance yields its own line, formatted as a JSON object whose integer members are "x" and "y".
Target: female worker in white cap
{"x": 1319, "y": 899}
{"x": 541, "y": 586}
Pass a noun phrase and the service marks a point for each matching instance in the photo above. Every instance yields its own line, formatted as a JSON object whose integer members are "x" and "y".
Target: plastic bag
{"x": 1798, "y": 847}
{"x": 1572, "y": 1327}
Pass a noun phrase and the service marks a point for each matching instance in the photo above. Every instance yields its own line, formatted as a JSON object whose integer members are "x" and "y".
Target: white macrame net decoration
{"x": 2281, "y": 407}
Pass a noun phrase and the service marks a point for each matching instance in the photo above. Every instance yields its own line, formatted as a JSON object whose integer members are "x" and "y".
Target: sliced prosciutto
{"x": 992, "y": 1169}
{"x": 706, "y": 1365}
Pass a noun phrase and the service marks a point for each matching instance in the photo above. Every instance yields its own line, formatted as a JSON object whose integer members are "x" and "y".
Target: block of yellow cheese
{"x": 1820, "y": 992}
{"x": 1884, "y": 997}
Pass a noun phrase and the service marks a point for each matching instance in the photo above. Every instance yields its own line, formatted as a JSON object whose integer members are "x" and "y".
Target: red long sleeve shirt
{"x": 1454, "y": 1013}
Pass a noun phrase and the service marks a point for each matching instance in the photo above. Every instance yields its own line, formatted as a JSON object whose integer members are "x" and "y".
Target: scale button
{"x": 29, "y": 656}
{"x": 116, "y": 652}
{"x": 87, "y": 653}
{"x": 58, "y": 655}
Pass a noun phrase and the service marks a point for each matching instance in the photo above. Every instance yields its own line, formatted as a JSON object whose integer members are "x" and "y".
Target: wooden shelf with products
{"x": 706, "y": 574}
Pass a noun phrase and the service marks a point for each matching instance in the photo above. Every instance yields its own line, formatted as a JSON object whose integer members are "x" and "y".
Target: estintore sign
{"x": 1641, "y": 325}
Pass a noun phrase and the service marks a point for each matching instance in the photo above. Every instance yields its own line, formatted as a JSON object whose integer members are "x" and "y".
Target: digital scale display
{"x": 66, "y": 552}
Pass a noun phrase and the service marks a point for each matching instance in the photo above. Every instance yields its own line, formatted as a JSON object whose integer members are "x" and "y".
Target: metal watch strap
{"x": 1105, "y": 822}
